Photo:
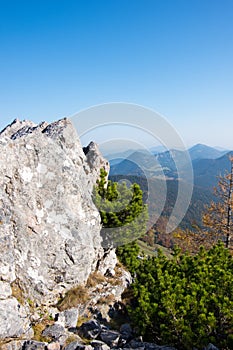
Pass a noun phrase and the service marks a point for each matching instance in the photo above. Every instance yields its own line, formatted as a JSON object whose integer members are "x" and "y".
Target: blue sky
{"x": 174, "y": 56}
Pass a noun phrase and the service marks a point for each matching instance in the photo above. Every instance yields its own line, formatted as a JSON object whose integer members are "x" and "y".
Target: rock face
{"x": 49, "y": 227}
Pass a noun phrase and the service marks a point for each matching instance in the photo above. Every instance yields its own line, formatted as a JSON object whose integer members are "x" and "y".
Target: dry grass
{"x": 82, "y": 319}
{"x": 94, "y": 279}
{"x": 108, "y": 299}
{"x": 71, "y": 339}
{"x": 17, "y": 292}
{"x": 119, "y": 270}
{"x": 114, "y": 281}
{"x": 38, "y": 328}
{"x": 74, "y": 297}
{"x": 127, "y": 296}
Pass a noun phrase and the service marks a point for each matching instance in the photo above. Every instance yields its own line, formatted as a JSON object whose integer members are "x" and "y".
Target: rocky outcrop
{"x": 49, "y": 227}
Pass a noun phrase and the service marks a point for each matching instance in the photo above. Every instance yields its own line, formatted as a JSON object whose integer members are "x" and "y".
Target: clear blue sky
{"x": 175, "y": 56}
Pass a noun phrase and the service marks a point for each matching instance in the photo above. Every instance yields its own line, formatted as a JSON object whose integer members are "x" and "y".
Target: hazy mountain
{"x": 117, "y": 157}
{"x": 125, "y": 167}
{"x": 206, "y": 171}
{"x": 200, "y": 197}
{"x": 158, "y": 149}
{"x": 141, "y": 166}
{"x": 200, "y": 151}
{"x": 138, "y": 163}
{"x": 165, "y": 164}
{"x": 153, "y": 165}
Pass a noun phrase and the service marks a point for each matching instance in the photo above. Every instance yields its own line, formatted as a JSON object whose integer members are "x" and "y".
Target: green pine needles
{"x": 123, "y": 214}
{"x": 186, "y": 301}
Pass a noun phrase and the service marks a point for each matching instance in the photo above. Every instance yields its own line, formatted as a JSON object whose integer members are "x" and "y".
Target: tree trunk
{"x": 229, "y": 205}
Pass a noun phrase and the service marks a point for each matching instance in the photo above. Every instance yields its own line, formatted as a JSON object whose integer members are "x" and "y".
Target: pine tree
{"x": 123, "y": 213}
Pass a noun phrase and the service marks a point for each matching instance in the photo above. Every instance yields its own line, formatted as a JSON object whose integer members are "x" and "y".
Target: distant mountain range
{"x": 208, "y": 163}
{"x": 200, "y": 151}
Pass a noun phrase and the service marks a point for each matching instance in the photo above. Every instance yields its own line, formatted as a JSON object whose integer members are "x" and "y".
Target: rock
{"x": 34, "y": 345}
{"x": 108, "y": 262}
{"x": 13, "y": 345}
{"x": 111, "y": 338}
{"x": 90, "y": 329}
{"x": 211, "y": 347}
{"x": 133, "y": 344}
{"x": 73, "y": 346}
{"x": 13, "y": 319}
{"x": 5, "y": 290}
{"x": 49, "y": 226}
{"x": 68, "y": 318}
{"x": 77, "y": 346}
{"x": 46, "y": 196}
{"x": 99, "y": 345}
{"x": 126, "y": 331}
{"x": 56, "y": 331}
{"x": 95, "y": 159}
{"x": 53, "y": 346}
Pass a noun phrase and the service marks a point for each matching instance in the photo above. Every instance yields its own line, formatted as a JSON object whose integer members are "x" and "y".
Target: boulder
{"x": 99, "y": 345}
{"x": 13, "y": 319}
{"x": 34, "y": 345}
{"x": 77, "y": 346}
{"x": 109, "y": 337}
{"x": 5, "y": 290}
{"x": 126, "y": 331}
{"x": 54, "y": 346}
{"x": 56, "y": 331}
{"x": 49, "y": 226}
{"x": 90, "y": 329}
{"x": 68, "y": 318}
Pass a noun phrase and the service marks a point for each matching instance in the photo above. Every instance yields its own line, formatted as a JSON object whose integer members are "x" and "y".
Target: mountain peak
{"x": 201, "y": 151}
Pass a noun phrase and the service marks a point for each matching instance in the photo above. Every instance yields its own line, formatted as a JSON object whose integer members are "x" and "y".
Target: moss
{"x": 31, "y": 303}
{"x": 74, "y": 297}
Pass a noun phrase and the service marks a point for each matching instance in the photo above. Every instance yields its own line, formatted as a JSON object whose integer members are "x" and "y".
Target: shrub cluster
{"x": 187, "y": 300}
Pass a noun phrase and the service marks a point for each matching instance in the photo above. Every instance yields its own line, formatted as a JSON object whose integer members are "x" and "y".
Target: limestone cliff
{"x": 49, "y": 227}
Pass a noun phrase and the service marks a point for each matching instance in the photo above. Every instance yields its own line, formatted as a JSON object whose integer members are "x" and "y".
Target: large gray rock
{"x": 90, "y": 329}
{"x": 49, "y": 227}
{"x": 77, "y": 346}
{"x": 5, "y": 290}
{"x": 68, "y": 318}
{"x": 13, "y": 319}
{"x": 109, "y": 337}
{"x": 56, "y": 331}
{"x": 34, "y": 345}
{"x": 99, "y": 345}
